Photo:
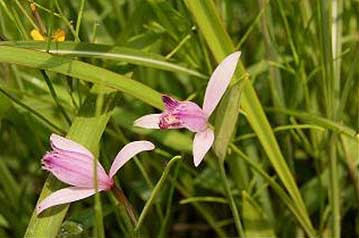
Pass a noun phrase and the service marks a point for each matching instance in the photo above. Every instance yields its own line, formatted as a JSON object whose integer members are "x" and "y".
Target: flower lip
{"x": 168, "y": 120}
{"x": 182, "y": 114}
{"x": 169, "y": 102}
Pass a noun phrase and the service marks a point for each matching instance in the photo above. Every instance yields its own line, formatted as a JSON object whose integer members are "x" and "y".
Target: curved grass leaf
{"x": 319, "y": 121}
{"x": 204, "y": 199}
{"x": 298, "y": 213}
{"x": 156, "y": 191}
{"x": 115, "y": 53}
{"x": 81, "y": 70}
{"x": 28, "y": 105}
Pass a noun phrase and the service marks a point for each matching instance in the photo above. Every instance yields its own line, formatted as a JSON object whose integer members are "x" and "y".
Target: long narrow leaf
{"x": 81, "y": 70}
{"x": 115, "y": 53}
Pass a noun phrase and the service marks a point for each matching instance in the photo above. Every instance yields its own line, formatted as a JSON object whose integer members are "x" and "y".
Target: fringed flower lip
{"x": 186, "y": 114}
{"x": 73, "y": 164}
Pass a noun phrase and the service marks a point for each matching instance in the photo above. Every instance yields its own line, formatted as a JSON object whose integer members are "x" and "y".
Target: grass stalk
{"x": 334, "y": 191}
{"x": 32, "y": 111}
{"x": 204, "y": 211}
{"x": 23, "y": 11}
{"x": 331, "y": 47}
{"x": 164, "y": 224}
{"x": 67, "y": 22}
{"x": 292, "y": 206}
{"x": 55, "y": 97}
{"x": 232, "y": 203}
{"x": 79, "y": 18}
{"x": 99, "y": 231}
{"x": 155, "y": 192}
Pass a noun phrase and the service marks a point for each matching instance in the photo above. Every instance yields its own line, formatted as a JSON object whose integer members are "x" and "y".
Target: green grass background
{"x": 286, "y": 154}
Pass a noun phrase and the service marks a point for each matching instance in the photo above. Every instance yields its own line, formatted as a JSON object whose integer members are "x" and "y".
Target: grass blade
{"x": 320, "y": 121}
{"x": 114, "y": 53}
{"x": 78, "y": 69}
{"x": 34, "y": 112}
{"x": 230, "y": 197}
{"x": 255, "y": 221}
{"x": 156, "y": 190}
{"x": 292, "y": 206}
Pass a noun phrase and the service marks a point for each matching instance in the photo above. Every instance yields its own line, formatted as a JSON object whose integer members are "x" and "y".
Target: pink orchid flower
{"x": 186, "y": 114}
{"x": 73, "y": 164}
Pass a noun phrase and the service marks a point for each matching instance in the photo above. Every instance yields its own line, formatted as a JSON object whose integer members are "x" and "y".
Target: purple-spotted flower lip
{"x": 73, "y": 164}
{"x": 186, "y": 114}
{"x": 170, "y": 103}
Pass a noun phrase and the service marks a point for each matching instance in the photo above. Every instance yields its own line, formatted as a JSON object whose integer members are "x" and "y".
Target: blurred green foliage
{"x": 300, "y": 56}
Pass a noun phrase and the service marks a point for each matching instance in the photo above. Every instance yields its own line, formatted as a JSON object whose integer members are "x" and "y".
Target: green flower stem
{"x": 122, "y": 199}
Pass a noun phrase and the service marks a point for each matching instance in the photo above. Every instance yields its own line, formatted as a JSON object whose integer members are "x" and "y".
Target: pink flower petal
{"x": 63, "y": 144}
{"x": 127, "y": 152}
{"x": 150, "y": 121}
{"x": 202, "y": 142}
{"x": 75, "y": 169}
{"x": 219, "y": 82}
{"x": 63, "y": 196}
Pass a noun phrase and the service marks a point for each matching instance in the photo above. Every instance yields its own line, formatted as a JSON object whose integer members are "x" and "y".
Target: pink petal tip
{"x": 202, "y": 142}
{"x": 63, "y": 196}
{"x": 61, "y": 143}
{"x": 150, "y": 121}
{"x": 219, "y": 82}
{"x": 128, "y": 152}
